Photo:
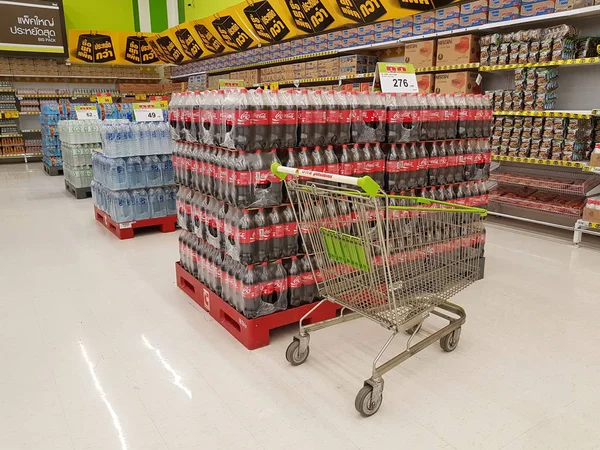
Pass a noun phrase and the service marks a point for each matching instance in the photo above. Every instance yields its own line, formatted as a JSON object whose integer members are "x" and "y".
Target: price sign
{"x": 148, "y": 112}
{"x": 104, "y": 99}
{"x": 396, "y": 77}
{"x": 11, "y": 115}
{"x": 224, "y": 84}
{"x": 84, "y": 112}
{"x": 140, "y": 96}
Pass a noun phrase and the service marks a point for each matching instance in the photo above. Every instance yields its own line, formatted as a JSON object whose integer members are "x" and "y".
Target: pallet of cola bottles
{"x": 251, "y": 333}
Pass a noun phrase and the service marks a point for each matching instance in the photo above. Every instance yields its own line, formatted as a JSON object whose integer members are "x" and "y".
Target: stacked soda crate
{"x": 241, "y": 238}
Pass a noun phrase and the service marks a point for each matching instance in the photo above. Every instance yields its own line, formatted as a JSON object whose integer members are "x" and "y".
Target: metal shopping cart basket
{"x": 392, "y": 259}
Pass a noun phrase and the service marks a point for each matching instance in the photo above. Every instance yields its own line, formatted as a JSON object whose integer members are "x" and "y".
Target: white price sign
{"x": 396, "y": 77}
{"x": 86, "y": 112}
{"x": 147, "y": 112}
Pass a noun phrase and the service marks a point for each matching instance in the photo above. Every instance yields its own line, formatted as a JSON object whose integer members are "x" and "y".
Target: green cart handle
{"x": 367, "y": 184}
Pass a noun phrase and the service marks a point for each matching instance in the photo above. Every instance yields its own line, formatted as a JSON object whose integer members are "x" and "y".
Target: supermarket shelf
{"x": 29, "y": 113}
{"x": 7, "y": 135}
{"x": 568, "y": 114}
{"x": 359, "y": 77}
{"x": 561, "y": 63}
{"x": 21, "y": 155}
{"x": 3, "y": 90}
{"x": 545, "y": 162}
{"x": 579, "y": 13}
{"x": 7, "y": 101}
{"x": 31, "y": 131}
{"x": 530, "y": 215}
{"x": 73, "y": 77}
{"x": 447, "y": 68}
{"x": 578, "y": 184}
{"x": 585, "y": 227}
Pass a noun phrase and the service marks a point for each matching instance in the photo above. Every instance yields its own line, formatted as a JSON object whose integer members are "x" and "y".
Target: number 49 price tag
{"x": 396, "y": 77}
{"x": 147, "y": 112}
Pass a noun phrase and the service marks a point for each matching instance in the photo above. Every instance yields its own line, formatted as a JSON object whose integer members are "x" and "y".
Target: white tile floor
{"x": 100, "y": 350}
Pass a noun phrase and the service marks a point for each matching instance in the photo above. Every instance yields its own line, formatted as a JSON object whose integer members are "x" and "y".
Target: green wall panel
{"x": 114, "y": 15}
{"x": 203, "y": 8}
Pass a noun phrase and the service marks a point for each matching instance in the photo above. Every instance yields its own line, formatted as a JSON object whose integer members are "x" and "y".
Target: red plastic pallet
{"x": 125, "y": 230}
{"x": 251, "y": 333}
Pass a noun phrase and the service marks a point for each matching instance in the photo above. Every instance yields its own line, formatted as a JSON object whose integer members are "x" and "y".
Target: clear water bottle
{"x": 119, "y": 170}
{"x": 152, "y": 167}
{"x": 158, "y": 206}
{"x": 171, "y": 199}
{"x": 141, "y": 204}
{"x": 167, "y": 169}
{"x": 135, "y": 173}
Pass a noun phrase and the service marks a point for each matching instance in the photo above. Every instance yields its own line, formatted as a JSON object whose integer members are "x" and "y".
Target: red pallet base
{"x": 125, "y": 230}
{"x": 251, "y": 333}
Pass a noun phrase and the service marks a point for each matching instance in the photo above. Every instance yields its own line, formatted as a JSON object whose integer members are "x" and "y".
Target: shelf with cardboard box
{"x": 476, "y": 17}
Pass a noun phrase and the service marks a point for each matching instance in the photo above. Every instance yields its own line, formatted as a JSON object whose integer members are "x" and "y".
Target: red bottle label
{"x": 260, "y": 117}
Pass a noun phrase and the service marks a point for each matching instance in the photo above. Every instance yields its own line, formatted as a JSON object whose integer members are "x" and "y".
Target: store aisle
{"x": 100, "y": 350}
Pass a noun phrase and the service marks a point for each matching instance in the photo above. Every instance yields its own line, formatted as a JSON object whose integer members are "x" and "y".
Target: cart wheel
{"x": 365, "y": 404}
{"x": 293, "y": 355}
{"x": 450, "y": 341}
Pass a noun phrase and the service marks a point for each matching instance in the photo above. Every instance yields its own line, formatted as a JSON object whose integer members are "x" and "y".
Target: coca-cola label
{"x": 319, "y": 116}
{"x": 487, "y": 158}
{"x": 197, "y": 115}
{"x": 243, "y": 178}
{"x": 332, "y": 168}
{"x": 187, "y": 115}
{"x": 379, "y": 165}
{"x": 305, "y": 116}
{"x": 263, "y": 233}
{"x": 452, "y": 161}
{"x": 280, "y": 284}
{"x": 260, "y": 117}
{"x": 423, "y": 163}
{"x": 369, "y": 167}
{"x": 333, "y": 116}
{"x": 290, "y": 117}
{"x": 265, "y": 177}
{"x": 478, "y": 158}
{"x": 241, "y": 117}
{"x": 443, "y": 161}
{"x": 464, "y": 114}
{"x": 291, "y": 228}
{"x": 308, "y": 278}
{"x": 246, "y": 236}
{"x": 451, "y": 115}
{"x": 278, "y": 231}
{"x": 345, "y": 115}
{"x": 266, "y": 288}
{"x": 399, "y": 116}
{"x": 432, "y": 115}
{"x": 294, "y": 281}
{"x": 251, "y": 291}
{"x": 276, "y": 117}
{"x": 469, "y": 158}
{"x": 367, "y": 115}
{"x": 347, "y": 169}
{"x": 461, "y": 160}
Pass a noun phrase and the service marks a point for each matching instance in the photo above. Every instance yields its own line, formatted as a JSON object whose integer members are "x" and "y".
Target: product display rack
{"x": 524, "y": 22}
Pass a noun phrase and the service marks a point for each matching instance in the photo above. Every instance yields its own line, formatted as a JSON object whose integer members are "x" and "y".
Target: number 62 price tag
{"x": 396, "y": 77}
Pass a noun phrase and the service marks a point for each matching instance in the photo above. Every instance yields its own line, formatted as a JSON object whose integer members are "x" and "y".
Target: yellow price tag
{"x": 93, "y": 98}
{"x": 104, "y": 99}
{"x": 11, "y": 114}
{"x": 140, "y": 96}
{"x": 162, "y": 104}
{"x": 274, "y": 85}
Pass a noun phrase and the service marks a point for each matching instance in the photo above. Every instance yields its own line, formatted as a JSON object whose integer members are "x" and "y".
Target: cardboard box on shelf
{"x": 595, "y": 159}
{"x": 476, "y": 7}
{"x": 591, "y": 215}
{"x": 472, "y": 20}
{"x": 311, "y": 68}
{"x": 401, "y": 33}
{"x": 424, "y": 18}
{"x": 495, "y": 4}
{"x": 450, "y": 12}
{"x": 447, "y": 24}
{"x": 426, "y": 83}
{"x": 420, "y": 54}
{"x": 538, "y": 8}
{"x": 426, "y": 28}
{"x": 458, "y": 50}
{"x": 566, "y": 5}
{"x": 350, "y": 37}
{"x": 457, "y": 83}
{"x": 502, "y": 14}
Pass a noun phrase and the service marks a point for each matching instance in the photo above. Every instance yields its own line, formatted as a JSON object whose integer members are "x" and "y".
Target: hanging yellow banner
{"x": 167, "y": 47}
{"x": 234, "y": 29}
{"x": 208, "y": 36}
{"x": 271, "y": 21}
{"x": 110, "y": 47}
{"x": 362, "y": 12}
{"x": 189, "y": 42}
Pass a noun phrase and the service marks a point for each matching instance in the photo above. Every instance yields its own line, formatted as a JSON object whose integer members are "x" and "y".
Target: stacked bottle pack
{"x": 138, "y": 186}
{"x": 78, "y": 140}
{"x": 49, "y": 118}
{"x": 256, "y": 119}
{"x": 240, "y": 235}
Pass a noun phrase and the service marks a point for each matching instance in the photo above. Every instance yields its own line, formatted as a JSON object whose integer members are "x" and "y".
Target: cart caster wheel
{"x": 450, "y": 341}
{"x": 365, "y": 404}
{"x": 293, "y": 355}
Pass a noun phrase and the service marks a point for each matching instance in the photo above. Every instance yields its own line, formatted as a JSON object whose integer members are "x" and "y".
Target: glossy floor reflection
{"x": 100, "y": 350}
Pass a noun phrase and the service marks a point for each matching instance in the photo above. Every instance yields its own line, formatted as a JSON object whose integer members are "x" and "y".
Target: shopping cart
{"x": 392, "y": 259}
